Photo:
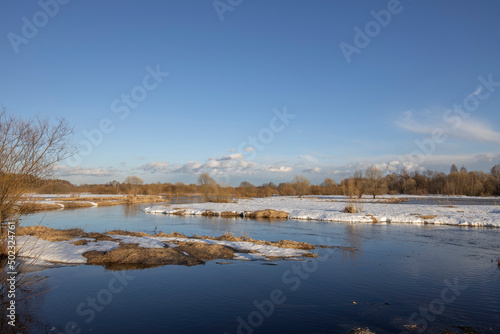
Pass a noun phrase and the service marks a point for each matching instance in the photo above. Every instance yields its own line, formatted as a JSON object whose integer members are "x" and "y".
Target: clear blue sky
{"x": 394, "y": 87}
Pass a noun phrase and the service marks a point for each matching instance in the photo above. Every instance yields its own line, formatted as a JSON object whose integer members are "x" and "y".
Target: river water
{"x": 435, "y": 276}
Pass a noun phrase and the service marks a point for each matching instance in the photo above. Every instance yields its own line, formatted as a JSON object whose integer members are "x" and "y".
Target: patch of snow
{"x": 65, "y": 252}
{"x": 329, "y": 208}
{"x": 59, "y": 251}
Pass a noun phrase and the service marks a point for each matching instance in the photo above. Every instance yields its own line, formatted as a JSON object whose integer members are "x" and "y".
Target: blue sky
{"x": 233, "y": 73}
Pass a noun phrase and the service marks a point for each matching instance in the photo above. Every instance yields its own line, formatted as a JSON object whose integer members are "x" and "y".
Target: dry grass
{"x": 131, "y": 256}
{"x": 210, "y": 213}
{"x": 227, "y": 236}
{"x": 230, "y": 214}
{"x": 206, "y": 252}
{"x": 77, "y": 205}
{"x": 270, "y": 214}
{"x": 426, "y": 217}
{"x": 51, "y": 234}
{"x": 352, "y": 192}
{"x": 30, "y": 207}
{"x": 393, "y": 200}
{"x": 130, "y": 233}
{"x": 373, "y": 218}
{"x": 179, "y": 212}
{"x": 81, "y": 242}
{"x": 349, "y": 209}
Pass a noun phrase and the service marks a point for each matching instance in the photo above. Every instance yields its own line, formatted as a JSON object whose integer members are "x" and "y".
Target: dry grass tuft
{"x": 373, "y": 218}
{"x": 229, "y": 214}
{"x": 51, "y": 234}
{"x": 77, "y": 205}
{"x": 32, "y": 206}
{"x": 210, "y": 213}
{"x": 205, "y": 251}
{"x": 393, "y": 200}
{"x": 80, "y": 242}
{"x": 133, "y": 234}
{"x": 349, "y": 209}
{"x": 268, "y": 213}
{"x": 131, "y": 254}
{"x": 425, "y": 217}
{"x": 171, "y": 235}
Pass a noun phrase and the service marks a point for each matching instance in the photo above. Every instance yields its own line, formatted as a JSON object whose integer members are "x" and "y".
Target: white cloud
{"x": 62, "y": 170}
{"x": 276, "y": 169}
{"x": 192, "y": 167}
{"x": 314, "y": 170}
{"x": 155, "y": 167}
{"x": 249, "y": 149}
{"x": 468, "y": 129}
{"x": 234, "y": 156}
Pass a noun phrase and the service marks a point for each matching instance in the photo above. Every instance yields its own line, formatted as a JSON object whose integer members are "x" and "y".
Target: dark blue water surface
{"x": 434, "y": 276}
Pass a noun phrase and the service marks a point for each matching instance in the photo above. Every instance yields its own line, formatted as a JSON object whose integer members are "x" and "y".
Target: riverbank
{"x": 36, "y": 202}
{"x": 383, "y": 210}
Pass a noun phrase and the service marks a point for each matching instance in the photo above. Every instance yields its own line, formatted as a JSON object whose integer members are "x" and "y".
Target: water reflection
{"x": 354, "y": 239}
{"x": 29, "y": 292}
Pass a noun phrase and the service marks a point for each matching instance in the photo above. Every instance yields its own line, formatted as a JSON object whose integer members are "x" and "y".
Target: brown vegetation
{"x": 351, "y": 191}
{"x": 126, "y": 255}
{"x": 29, "y": 149}
{"x": 129, "y": 256}
{"x": 51, "y": 234}
{"x": 373, "y": 183}
{"x": 426, "y": 217}
{"x": 268, "y": 213}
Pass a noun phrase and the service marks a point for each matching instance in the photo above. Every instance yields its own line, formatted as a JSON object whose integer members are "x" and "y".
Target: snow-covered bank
{"x": 69, "y": 253}
{"x": 329, "y": 208}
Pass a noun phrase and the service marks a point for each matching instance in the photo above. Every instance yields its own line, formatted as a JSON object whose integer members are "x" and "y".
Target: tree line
{"x": 371, "y": 182}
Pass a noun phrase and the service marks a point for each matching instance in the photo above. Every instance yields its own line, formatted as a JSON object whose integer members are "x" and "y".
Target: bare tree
{"x": 375, "y": 184}
{"x": 211, "y": 191}
{"x": 132, "y": 184}
{"x": 133, "y": 180}
{"x": 301, "y": 184}
{"x": 29, "y": 149}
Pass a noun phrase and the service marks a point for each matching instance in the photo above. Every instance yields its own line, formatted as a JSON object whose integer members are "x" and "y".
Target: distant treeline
{"x": 372, "y": 182}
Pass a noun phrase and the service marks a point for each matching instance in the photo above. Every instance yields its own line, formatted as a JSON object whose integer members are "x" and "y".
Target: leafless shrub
{"x": 353, "y": 203}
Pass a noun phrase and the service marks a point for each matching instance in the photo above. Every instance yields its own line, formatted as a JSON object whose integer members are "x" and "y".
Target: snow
{"x": 59, "y": 251}
{"x": 65, "y": 252}
{"x": 329, "y": 208}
